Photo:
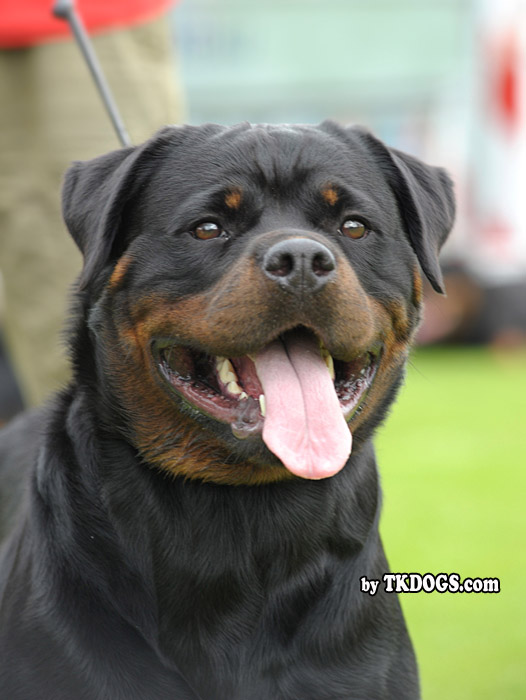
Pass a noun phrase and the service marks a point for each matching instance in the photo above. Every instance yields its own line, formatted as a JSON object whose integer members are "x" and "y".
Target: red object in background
{"x": 507, "y": 87}
{"x": 28, "y": 22}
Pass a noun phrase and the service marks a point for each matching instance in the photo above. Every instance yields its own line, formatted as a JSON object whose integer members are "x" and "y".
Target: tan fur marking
{"x": 330, "y": 195}
{"x": 119, "y": 272}
{"x": 394, "y": 355}
{"x": 399, "y": 319}
{"x": 233, "y": 199}
{"x": 418, "y": 290}
{"x": 167, "y": 439}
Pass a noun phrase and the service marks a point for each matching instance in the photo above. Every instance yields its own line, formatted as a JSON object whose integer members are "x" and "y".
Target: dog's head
{"x": 251, "y": 292}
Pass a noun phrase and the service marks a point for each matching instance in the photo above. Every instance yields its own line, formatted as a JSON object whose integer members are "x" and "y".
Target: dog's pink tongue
{"x": 304, "y": 424}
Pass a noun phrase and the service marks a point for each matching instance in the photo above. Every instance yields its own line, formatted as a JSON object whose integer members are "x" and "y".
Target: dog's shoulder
{"x": 19, "y": 444}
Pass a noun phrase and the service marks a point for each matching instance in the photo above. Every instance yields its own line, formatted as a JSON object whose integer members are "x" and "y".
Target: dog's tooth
{"x": 226, "y": 372}
{"x": 234, "y": 388}
{"x": 323, "y": 349}
{"x": 330, "y": 366}
{"x": 220, "y": 362}
{"x": 222, "y": 369}
{"x": 262, "y": 405}
{"x": 243, "y": 395}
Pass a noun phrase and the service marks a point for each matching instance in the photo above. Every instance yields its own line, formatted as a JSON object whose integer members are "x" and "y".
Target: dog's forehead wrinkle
{"x": 276, "y": 156}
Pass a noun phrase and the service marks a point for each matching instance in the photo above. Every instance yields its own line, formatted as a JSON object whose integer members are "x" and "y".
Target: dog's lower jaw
{"x": 172, "y": 436}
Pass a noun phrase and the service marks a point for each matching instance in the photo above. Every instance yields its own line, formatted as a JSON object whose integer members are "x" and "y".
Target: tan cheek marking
{"x": 400, "y": 320}
{"x": 233, "y": 199}
{"x": 194, "y": 459}
{"x": 394, "y": 356}
{"x": 219, "y": 317}
{"x": 392, "y": 326}
{"x": 245, "y": 308}
{"x": 330, "y": 195}
{"x": 119, "y": 272}
{"x": 418, "y": 288}
{"x": 167, "y": 439}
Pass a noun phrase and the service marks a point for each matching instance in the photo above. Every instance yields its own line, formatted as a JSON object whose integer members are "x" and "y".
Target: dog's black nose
{"x": 299, "y": 264}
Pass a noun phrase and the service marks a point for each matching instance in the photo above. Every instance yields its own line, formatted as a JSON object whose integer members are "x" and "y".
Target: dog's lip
{"x": 202, "y": 391}
{"x": 204, "y": 382}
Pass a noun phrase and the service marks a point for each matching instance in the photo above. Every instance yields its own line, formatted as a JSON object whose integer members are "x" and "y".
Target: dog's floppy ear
{"x": 426, "y": 201}
{"x": 94, "y": 196}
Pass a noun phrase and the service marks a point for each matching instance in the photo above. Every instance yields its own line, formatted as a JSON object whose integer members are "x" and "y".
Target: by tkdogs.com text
{"x": 429, "y": 583}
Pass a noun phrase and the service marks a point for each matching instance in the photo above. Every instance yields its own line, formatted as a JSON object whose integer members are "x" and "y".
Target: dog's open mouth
{"x": 292, "y": 391}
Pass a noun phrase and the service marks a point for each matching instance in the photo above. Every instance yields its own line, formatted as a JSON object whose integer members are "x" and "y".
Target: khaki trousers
{"x": 50, "y": 115}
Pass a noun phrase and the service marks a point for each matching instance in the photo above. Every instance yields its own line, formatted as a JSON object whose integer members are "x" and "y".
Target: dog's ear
{"x": 94, "y": 196}
{"x": 425, "y": 199}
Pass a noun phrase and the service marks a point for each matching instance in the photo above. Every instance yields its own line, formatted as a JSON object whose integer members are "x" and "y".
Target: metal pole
{"x": 65, "y": 9}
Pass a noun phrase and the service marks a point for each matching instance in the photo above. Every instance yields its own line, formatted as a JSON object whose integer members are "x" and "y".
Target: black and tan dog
{"x": 196, "y": 520}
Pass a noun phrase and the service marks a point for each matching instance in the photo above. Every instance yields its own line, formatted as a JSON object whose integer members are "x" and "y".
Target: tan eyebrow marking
{"x": 330, "y": 195}
{"x": 233, "y": 199}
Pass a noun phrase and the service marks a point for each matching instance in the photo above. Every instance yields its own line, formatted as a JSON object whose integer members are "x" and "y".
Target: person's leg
{"x": 51, "y": 115}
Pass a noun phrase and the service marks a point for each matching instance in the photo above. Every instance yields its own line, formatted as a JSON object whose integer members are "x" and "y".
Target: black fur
{"x": 121, "y": 581}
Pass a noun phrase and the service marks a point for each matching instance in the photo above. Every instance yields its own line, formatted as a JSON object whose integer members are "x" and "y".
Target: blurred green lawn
{"x": 452, "y": 459}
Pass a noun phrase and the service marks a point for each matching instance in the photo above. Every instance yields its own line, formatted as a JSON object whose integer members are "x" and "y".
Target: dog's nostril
{"x": 280, "y": 264}
{"x": 323, "y": 264}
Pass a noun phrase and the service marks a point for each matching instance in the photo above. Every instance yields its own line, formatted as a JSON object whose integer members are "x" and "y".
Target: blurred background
{"x": 446, "y": 81}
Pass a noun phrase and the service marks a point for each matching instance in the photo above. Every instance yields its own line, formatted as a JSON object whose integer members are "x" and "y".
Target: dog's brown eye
{"x": 207, "y": 230}
{"x": 353, "y": 229}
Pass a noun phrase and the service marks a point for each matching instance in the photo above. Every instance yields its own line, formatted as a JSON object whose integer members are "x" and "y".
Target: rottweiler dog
{"x": 191, "y": 517}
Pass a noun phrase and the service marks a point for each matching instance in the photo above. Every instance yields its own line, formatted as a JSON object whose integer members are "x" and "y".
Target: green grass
{"x": 452, "y": 458}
